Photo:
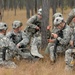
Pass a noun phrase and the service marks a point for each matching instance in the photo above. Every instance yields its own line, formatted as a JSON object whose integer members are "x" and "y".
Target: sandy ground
{"x": 41, "y": 67}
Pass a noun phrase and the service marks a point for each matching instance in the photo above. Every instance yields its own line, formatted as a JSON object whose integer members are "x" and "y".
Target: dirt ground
{"x": 41, "y": 67}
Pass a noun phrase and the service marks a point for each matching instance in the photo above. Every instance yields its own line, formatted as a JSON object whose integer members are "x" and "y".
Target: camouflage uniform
{"x": 71, "y": 16}
{"x": 54, "y": 30}
{"x": 5, "y": 44}
{"x": 69, "y": 59}
{"x": 20, "y": 38}
{"x": 69, "y": 54}
{"x": 63, "y": 41}
{"x": 32, "y": 24}
{"x": 36, "y": 45}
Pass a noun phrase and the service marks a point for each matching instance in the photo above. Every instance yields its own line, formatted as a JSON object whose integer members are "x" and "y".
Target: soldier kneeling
{"x": 5, "y": 45}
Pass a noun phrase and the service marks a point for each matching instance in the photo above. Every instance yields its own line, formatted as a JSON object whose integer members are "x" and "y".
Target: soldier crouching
{"x": 34, "y": 26}
{"x": 70, "y": 54}
{"x": 62, "y": 38}
{"x": 20, "y": 39}
{"x": 5, "y": 45}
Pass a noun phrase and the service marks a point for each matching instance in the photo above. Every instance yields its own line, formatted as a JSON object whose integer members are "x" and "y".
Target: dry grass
{"x": 41, "y": 67}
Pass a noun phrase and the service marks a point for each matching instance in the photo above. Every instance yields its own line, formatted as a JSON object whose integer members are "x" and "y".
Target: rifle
{"x": 60, "y": 34}
{"x": 4, "y": 52}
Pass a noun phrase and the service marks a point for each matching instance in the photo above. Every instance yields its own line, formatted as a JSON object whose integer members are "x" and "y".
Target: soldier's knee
{"x": 51, "y": 48}
{"x": 68, "y": 51}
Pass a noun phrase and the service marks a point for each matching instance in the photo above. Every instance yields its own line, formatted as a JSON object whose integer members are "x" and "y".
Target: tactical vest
{"x": 37, "y": 23}
{"x": 13, "y": 37}
{"x": 33, "y": 30}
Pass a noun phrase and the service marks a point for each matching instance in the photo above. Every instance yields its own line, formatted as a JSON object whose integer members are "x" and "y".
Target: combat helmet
{"x": 16, "y": 24}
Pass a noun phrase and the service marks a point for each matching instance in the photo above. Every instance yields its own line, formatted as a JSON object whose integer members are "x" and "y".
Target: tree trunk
{"x": 39, "y": 3}
{"x": 35, "y": 6}
{"x": 32, "y": 5}
{"x": 0, "y": 10}
{"x": 74, "y": 3}
{"x": 45, "y": 21}
{"x": 54, "y": 2}
{"x": 15, "y": 6}
{"x": 28, "y": 8}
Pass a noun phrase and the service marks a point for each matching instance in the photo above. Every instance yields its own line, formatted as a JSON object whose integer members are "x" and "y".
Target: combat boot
{"x": 52, "y": 62}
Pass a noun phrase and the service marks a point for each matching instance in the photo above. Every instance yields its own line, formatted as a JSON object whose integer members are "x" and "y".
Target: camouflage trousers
{"x": 20, "y": 53}
{"x": 69, "y": 58}
{"x": 47, "y": 51}
{"x": 59, "y": 49}
{"x": 36, "y": 46}
{"x": 9, "y": 54}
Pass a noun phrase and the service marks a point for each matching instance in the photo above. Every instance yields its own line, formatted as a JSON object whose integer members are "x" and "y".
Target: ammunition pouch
{"x": 29, "y": 29}
{"x": 32, "y": 30}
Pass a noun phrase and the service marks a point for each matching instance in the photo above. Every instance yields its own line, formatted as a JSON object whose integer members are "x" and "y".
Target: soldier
{"x": 19, "y": 38}
{"x": 54, "y": 30}
{"x": 34, "y": 25}
{"x": 70, "y": 53}
{"x": 69, "y": 56}
{"x": 58, "y": 14}
{"x": 62, "y": 38}
{"x": 5, "y": 45}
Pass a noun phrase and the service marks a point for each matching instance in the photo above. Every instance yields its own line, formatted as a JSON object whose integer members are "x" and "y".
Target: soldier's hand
{"x": 48, "y": 27}
{"x": 50, "y": 40}
{"x": 71, "y": 43}
{"x": 54, "y": 35}
{"x": 18, "y": 45}
{"x": 37, "y": 28}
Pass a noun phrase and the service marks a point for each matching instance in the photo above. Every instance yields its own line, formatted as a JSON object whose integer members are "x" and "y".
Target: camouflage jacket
{"x": 32, "y": 23}
{"x": 66, "y": 36}
{"x": 71, "y": 16}
{"x": 5, "y": 42}
{"x": 18, "y": 38}
{"x": 33, "y": 20}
